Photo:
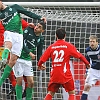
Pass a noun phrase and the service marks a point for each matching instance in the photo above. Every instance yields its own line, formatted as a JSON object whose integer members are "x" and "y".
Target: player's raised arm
{"x": 22, "y": 10}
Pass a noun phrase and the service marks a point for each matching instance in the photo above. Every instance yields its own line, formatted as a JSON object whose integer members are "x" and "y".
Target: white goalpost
{"x": 80, "y": 20}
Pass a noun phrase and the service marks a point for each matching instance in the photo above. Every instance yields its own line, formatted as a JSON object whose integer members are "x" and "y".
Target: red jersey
{"x": 60, "y": 53}
{"x": 24, "y": 24}
{"x": 1, "y": 34}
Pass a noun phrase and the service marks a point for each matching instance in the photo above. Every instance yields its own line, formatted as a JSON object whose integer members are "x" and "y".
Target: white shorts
{"x": 92, "y": 77}
{"x": 23, "y": 67}
{"x": 17, "y": 41}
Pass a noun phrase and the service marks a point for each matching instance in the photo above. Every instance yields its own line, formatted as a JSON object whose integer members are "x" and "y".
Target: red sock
{"x": 25, "y": 80}
{"x": 48, "y": 97}
{"x": 71, "y": 97}
{"x": 12, "y": 78}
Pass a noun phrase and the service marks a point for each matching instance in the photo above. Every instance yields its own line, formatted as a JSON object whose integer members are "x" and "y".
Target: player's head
{"x": 60, "y": 33}
{"x": 43, "y": 25}
{"x": 40, "y": 27}
{"x": 93, "y": 41}
{"x": 1, "y": 5}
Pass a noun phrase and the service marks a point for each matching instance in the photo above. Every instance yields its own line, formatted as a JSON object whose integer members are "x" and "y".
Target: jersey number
{"x": 57, "y": 53}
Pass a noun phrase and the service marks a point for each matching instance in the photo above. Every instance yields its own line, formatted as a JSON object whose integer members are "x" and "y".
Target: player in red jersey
{"x": 60, "y": 75}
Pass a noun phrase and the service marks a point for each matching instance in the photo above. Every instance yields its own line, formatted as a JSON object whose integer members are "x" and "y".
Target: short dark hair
{"x": 60, "y": 33}
{"x": 43, "y": 25}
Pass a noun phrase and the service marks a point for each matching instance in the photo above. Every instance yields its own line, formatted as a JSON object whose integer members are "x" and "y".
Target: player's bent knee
{"x": 8, "y": 45}
{"x": 12, "y": 61}
{"x": 87, "y": 87}
{"x": 31, "y": 84}
{"x": 19, "y": 80}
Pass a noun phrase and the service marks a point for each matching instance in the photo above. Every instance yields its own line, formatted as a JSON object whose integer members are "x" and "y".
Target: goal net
{"x": 80, "y": 20}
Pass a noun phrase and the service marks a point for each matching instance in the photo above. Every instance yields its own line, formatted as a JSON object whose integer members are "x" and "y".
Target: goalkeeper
{"x": 93, "y": 56}
{"x": 13, "y": 38}
{"x": 60, "y": 53}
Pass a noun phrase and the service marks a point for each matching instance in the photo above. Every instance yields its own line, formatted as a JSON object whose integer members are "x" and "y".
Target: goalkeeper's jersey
{"x": 11, "y": 19}
{"x": 31, "y": 41}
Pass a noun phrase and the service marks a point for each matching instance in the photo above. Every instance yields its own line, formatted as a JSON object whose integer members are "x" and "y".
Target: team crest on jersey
{"x": 25, "y": 31}
{"x": 10, "y": 9}
{"x": 98, "y": 56}
{"x": 38, "y": 40}
{"x": 17, "y": 72}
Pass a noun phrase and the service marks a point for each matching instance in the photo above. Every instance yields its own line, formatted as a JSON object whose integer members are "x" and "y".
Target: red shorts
{"x": 68, "y": 86}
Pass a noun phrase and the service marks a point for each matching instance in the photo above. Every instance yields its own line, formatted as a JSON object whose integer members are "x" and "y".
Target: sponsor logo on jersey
{"x": 60, "y": 46}
{"x": 98, "y": 56}
{"x": 10, "y": 9}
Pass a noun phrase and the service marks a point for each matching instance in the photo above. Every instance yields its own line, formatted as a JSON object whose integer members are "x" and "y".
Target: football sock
{"x": 18, "y": 89}
{"x": 48, "y": 97}
{"x": 71, "y": 97}
{"x": 5, "y": 53}
{"x": 12, "y": 78}
{"x": 84, "y": 96}
{"x": 29, "y": 93}
{"x": 25, "y": 80}
{"x": 5, "y": 74}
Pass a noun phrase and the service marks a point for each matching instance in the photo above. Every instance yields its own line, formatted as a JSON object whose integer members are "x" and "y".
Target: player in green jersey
{"x": 32, "y": 39}
{"x": 13, "y": 38}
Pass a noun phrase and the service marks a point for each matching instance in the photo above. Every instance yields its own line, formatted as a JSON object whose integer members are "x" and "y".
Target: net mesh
{"x": 79, "y": 22}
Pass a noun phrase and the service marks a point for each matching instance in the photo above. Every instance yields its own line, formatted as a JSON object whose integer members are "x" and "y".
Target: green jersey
{"x": 31, "y": 41}
{"x": 11, "y": 19}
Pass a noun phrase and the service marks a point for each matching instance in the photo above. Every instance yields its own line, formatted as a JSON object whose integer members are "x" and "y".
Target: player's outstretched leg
{"x": 5, "y": 74}
{"x": 5, "y": 53}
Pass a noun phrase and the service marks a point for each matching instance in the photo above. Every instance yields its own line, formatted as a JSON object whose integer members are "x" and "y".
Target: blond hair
{"x": 93, "y": 37}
